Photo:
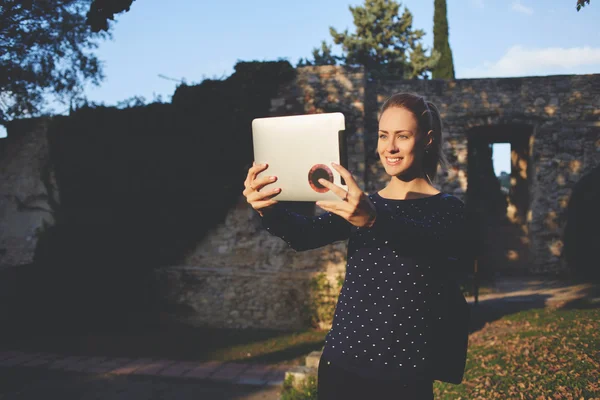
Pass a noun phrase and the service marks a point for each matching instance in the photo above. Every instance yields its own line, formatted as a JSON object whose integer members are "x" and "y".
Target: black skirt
{"x": 335, "y": 383}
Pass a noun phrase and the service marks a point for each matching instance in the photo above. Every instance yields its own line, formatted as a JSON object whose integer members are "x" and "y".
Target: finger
{"x": 259, "y": 205}
{"x": 261, "y": 196}
{"x": 263, "y": 181}
{"x": 253, "y": 172}
{"x": 350, "y": 182}
{"x": 333, "y": 207}
{"x": 333, "y": 187}
{"x": 258, "y": 184}
{"x": 258, "y": 168}
{"x": 248, "y": 176}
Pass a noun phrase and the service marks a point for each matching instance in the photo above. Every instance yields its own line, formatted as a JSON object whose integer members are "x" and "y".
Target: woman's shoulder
{"x": 451, "y": 200}
{"x": 452, "y": 205}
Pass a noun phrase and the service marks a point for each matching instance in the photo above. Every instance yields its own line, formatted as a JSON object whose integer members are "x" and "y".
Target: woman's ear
{"x": 428, "y": 139}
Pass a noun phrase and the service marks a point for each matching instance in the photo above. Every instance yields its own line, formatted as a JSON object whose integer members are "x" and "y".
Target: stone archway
{"x": 501, "y": 218}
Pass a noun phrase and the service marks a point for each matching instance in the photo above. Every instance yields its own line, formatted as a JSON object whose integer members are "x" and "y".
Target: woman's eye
{"x": 381, "y": 136}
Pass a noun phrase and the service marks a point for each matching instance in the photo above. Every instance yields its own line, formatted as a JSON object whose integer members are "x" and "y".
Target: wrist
{"x": 371, "y": 221}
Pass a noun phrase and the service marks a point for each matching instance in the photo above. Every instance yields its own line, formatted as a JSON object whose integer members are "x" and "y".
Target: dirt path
{"x": 556, "y": 292}
{"x": 511, "y": 295}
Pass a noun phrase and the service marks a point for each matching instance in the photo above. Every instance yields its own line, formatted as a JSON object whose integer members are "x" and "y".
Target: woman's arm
{"x": 304, "y": 233}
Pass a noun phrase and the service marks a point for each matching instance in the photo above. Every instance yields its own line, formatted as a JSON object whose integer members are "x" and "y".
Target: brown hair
{"x": 428, "y": 119}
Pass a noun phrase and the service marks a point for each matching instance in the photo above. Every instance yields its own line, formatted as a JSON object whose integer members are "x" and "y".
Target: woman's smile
{"x": 393, "y": 161}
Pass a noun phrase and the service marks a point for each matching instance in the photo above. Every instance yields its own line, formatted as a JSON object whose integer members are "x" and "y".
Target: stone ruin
{"x": 240, "y": 276}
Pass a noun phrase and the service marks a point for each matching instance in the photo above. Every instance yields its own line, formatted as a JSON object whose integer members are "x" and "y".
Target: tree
{"x": 322, "y": 56}
{"x": 103, "y": 10}
{"x": 445, "y": 67}
{"x": 46, "y": 48}
{"x": 582, "y": 3}
{"x": 385, "y": 42}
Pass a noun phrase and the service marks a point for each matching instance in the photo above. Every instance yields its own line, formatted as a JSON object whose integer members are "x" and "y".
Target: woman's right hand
{"x": 259, "y": 200}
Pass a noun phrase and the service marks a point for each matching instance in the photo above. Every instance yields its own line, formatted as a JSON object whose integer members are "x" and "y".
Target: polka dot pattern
{"x": 388, "y": 306}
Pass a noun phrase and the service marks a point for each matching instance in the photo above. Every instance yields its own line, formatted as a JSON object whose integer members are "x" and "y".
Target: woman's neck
{"x": 401, "y": 189}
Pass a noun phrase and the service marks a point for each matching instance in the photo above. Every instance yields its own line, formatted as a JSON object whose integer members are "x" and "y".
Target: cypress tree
{"x": 445, "y": 67}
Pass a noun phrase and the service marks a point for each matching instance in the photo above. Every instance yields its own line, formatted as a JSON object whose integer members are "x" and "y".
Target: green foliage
{"x": 141, "y": 186}
{"x": 322, "y": 56}
{"x": 445, "y": 67}
{"x": 322, "y": 300}
{"x": 582, "y": 3}
{"x": 385, "y": 42}
{"x": 306, "y": 390}
{"x": 45, "y": 47}
{"x": 163, "y": 174}
{"x": 103, "y": 10}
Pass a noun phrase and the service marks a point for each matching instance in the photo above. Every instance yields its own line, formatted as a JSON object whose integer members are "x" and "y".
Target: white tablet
{"x": 299, "y": 150}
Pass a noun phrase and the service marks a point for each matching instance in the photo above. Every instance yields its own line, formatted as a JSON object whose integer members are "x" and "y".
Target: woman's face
{"x": 398, "y": 144}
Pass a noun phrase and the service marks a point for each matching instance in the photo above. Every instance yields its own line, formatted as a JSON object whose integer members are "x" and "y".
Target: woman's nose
{"x": 391, "y": 147}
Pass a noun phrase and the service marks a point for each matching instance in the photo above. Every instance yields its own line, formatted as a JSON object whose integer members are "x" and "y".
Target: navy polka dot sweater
{"x": 395, "y": 292}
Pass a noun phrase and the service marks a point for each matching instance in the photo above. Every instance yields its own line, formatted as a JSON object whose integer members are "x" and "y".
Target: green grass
{"x": 305, "y": 390}
{"x": 534, "y": 354}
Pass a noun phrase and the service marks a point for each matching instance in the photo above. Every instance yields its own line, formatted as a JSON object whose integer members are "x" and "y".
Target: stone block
{"x": 312, "y": 360}
{"x": 300, "y": 374}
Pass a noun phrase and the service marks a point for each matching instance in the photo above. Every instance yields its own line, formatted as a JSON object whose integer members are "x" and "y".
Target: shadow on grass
{"x": 490, "y": 310}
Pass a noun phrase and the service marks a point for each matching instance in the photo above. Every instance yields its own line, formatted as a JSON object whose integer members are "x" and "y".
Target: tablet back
{"x": 299, "y": 150}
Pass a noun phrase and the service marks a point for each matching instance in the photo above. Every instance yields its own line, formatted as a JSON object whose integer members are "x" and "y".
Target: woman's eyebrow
{"x": 398, "y": 131}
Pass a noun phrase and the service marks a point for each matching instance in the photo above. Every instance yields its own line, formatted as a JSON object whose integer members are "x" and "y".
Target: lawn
{"x": 535, "y": 354}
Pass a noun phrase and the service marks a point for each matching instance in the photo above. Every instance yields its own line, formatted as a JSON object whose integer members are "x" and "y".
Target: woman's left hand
{"x": 355, "y": 207}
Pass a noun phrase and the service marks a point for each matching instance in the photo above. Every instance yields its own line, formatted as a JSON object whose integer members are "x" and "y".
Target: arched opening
{"x": 501, "y": 160}
{"x": 500, "y": 206}
{"x": 581, "y": 235}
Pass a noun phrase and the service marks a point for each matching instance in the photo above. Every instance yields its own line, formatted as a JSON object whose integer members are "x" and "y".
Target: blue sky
{"x": 193, "y": 40}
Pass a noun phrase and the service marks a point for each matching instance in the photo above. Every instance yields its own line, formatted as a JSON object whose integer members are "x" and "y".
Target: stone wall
{"x": 24, "y": 197}
{"x": 559, "y": 114}
{"x": 240, "y": 276}
{"x": 563, "y": 113}
{"x": 328, "y": 89}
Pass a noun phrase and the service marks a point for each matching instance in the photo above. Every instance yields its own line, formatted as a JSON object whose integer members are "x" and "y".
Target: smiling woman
{"x": 400, "y": 321}
{"x": 410, "y": 137}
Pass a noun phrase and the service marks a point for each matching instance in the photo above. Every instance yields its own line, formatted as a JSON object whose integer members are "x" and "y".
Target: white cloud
{"x": 519, "y": 61}
{"x": 523, "y": 9}
{"x": 477, "y": 3}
